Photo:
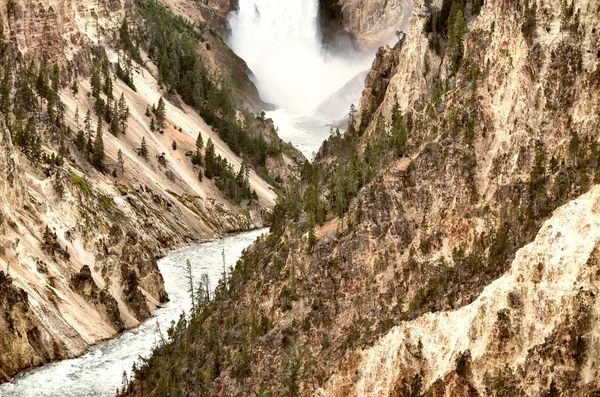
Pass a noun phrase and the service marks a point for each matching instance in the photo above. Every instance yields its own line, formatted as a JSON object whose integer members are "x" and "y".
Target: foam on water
{"x": 281, "y": 42}
{"x": 99, "y": 372}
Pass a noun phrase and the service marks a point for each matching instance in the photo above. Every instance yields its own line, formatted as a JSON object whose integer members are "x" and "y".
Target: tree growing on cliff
{"x": 209, "y": 165}
{"x": 143, "y": 150}
{"x": 161, "y": 113}
{"x": 95, "y": 82}
{"x": 98, "y": 154}
{"x": 190, "y": 278}
{"x": 457, "y": 27}
{"x": 123, "y": 113}
{"x": 312, "y": 236}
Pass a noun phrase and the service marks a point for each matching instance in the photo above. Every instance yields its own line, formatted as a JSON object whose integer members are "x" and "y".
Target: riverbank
{"x": 99, "y": 372}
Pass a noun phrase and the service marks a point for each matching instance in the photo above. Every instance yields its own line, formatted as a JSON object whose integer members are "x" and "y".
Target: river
{"x": 100, "y": 372}
{"x": 312, "y": 89}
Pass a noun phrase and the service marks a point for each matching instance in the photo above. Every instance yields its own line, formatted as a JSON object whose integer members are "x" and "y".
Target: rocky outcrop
{"x": 24, "y": 341}
{"x": 458, "y": 246}
{"x": 79, "y": 244}
{"x": 541, "y": 312}
{"x": 83, "y": 283}
{"x": 368, "y": 23}
{"x": 220, "y": 57}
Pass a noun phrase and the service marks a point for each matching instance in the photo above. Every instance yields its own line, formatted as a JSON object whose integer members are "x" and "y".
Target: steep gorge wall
{"x": 451, "y": 271}
{"x": 79, "y": 248}
{"x": 367, "y": 23}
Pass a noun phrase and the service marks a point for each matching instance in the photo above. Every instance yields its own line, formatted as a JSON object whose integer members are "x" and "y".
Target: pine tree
{"x": 152, "y": 127}
{"x": 96, "y": 81}
{"x": 209, "y": 164}
{"x": 75, "y": 87}
{"x": 41, "y": 84}
{"x": 88, "y": 129}
{"x": 143, "y": 150}
{"x": 398, "y": 133}
{"x": 312, "y": 236}
{"x": 174, "y": 145}
{"x": 53, "y": 93}
{"x": 80, "y": 140}
{"x": 190, "y": 278}
{"x": 161, "y": 113}
{"x": 121, "y": 161}
{"x": 98, "y": 150}
{"x": 123, "y": 113}
{"x": 457, "y": 27}
{"x": 114, "y": 120}
{"x": 199, "y": 142}
{"x": 108, "y": 87}
{"x": 352, "y": 112}
{"x": 124, "y": 38}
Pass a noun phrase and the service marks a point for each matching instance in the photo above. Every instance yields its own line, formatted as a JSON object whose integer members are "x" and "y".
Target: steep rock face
{"x": 540, "y": 318}
{"x": 79, "y": 247}
{"x": 222, "y": 59}
{"x": 457, "y": 158}
{"x": 367, "y": 22}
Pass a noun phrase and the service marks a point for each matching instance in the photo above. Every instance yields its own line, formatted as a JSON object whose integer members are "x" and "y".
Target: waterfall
{"x": 281, "y": 43}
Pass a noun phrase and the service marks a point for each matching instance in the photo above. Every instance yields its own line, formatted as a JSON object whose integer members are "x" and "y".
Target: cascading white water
{"x": 99, "y": 372}
{"x": 281, "y": 42}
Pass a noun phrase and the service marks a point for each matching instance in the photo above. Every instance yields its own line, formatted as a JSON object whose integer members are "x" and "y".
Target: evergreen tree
{"x": 174, "y": 145}
{"x": 123, "y": 113}
{"x": 95, "y": 83}
{"x": 80, "y": 140}
{"x": 88, "y": 129}
{"x": 161, "y": 113}
{"x": 114, "y": 120}
{"x": 41, "y": 84}
{"x": 312, "y": 236}
{"x": 53, "y": 93}
{"x": 457, "y": 27}
{"x": 108, "y": 87}
{"x": 98, "y": 149}
{"x": 199, "y": 142}
{"x": 209, "y": 164}
{"x": 121, "y": 161}
{"x": 398, "y": 133}
{"x": 190, "y": 278}
{"x": 143, "y": 150}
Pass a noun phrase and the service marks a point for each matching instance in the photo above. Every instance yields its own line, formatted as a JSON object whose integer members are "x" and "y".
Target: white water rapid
{"x": 281, "y": 43}
{"x": 99, "y": 372}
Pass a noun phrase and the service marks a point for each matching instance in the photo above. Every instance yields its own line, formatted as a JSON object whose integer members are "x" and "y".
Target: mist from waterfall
{"x": 281, "y": 42}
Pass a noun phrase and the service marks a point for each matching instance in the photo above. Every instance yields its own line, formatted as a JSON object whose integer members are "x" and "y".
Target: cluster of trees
{"x": 447, "y": 26}
{"x": 115, "y": 112}
{"x": 235, "y": 187}
{"x": 171, "y": 41}
{"x": 25, "y": 88}
{"x": 31, "y": 106}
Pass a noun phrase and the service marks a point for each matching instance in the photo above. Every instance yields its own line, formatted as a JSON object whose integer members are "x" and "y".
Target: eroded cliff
{"x": 365, "y": 23}
{"x": 442, "y": 245}
{"x": 94, "y": 187}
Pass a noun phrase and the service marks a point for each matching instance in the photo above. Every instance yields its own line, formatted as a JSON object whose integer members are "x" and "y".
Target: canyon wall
{"x": 367, "y": 23}
{"x": 444, "y": 245}
{"x": 79, "y": 247}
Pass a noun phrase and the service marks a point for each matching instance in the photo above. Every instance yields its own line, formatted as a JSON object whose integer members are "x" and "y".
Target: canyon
{"x": 79, "y": 245}
{"x": 443, "y": 244}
